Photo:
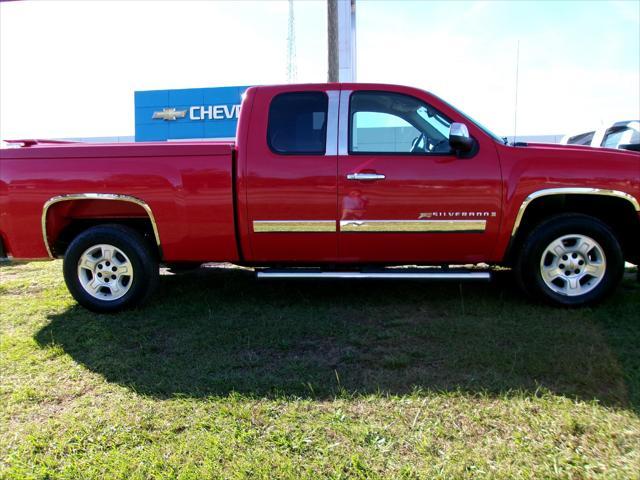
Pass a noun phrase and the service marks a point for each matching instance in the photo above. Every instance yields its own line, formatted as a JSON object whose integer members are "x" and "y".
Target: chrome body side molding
{"x": 301, "y": 226}
{"x": 408, "y": 226}
{"x": 95, "y": 196}
{"x": 570, "y": 191}
{"x": 364, "y": 226}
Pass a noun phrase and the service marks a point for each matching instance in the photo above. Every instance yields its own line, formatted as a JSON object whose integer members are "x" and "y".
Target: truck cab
{"x": 364, "y": 173}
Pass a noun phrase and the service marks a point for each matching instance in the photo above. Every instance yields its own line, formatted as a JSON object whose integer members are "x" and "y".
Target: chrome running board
{"x": 386, "y": 274}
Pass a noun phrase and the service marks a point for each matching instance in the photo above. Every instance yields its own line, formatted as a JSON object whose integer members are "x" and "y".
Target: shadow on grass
{"x": 213, "y": 332}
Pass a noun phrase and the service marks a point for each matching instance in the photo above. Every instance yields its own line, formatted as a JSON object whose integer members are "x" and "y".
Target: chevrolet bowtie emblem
{"x": 169, "y": 114}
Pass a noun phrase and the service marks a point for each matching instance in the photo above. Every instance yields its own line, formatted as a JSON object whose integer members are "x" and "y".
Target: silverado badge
{"x": 455, "y": 214}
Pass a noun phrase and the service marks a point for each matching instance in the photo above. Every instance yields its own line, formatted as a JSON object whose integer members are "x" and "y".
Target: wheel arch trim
{"x": 95, "y": 196}
{"x": 570, "y": 191}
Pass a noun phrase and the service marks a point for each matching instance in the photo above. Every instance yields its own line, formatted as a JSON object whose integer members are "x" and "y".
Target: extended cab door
{"x": 404, "y": 197}
{"x": 290, "y": 174}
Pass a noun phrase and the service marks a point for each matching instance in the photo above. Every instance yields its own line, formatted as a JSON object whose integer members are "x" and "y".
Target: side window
{"x": 298, "y": 123}
{"x": 381, "y": 132}
{"x": 382, "y": 122}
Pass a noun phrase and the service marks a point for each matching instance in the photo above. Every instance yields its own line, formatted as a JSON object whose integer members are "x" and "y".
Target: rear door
{"x": 404, "y": 197}
{"x": 291, "y": 175}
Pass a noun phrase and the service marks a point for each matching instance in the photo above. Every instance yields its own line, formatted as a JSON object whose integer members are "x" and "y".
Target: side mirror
{"x": 459, "y": 138}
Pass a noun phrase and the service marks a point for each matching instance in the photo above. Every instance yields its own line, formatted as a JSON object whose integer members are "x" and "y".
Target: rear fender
{"x": 58, "y": 212}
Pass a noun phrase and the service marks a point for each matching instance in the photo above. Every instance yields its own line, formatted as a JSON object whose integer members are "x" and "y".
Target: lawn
{"x": 223, "y": 376}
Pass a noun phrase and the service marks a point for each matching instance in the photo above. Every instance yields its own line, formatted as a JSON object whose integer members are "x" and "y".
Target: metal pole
{"x": 332, "y": 36}
{"x": 347, "y": 40}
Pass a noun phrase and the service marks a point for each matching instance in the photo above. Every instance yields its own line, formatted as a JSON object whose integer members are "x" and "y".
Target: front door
{"x": 403, "y": 196}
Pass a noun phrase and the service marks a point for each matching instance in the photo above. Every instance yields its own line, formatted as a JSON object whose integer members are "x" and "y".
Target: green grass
{"x": 221, "y": 376}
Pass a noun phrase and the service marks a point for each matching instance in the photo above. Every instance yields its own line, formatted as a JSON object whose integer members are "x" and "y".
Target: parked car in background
{"x": 622, "y": 135}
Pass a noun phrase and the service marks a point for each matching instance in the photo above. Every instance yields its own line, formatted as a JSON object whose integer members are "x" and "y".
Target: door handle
{"x": 365, "y": 176}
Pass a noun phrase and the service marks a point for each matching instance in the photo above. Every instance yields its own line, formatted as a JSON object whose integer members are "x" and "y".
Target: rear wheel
{"x": 570, "y": 260}
{"x": 110, "y": 268}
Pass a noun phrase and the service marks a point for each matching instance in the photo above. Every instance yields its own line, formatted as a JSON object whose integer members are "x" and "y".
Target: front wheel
{"x": 570, "y": 260}
{"x": 109, "y": 268}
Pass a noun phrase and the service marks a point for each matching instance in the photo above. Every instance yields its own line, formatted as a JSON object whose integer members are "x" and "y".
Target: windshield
{"x": 477, "y": 124}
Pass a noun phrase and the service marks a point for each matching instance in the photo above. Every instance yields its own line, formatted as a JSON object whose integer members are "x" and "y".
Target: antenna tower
{"x": 515, "y": 107}
{"x": 292, "y": 69}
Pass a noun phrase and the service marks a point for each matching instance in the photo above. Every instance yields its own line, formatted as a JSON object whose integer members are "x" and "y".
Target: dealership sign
{"x": 194, "y": 113}
{"x": 211, "y": 112}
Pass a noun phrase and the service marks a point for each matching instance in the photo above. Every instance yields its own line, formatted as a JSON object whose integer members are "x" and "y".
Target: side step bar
{"x": 388, "y": 274}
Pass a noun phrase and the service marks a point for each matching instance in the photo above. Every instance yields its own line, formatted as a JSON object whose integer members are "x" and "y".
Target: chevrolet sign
{"x": 210, "y": 112}
{"x": 214, "y": 112}
{"x": 189, "y": 113}
{"x": 169, "y": 114}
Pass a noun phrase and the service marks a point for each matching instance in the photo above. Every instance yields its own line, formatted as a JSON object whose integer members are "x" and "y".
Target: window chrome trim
{"x": 331, "y": 143}
{"x": 292, "y": 226}
{"x": 94, "y": 196}
{"x": 413, "y": 226}
{"x": 343, "y": 123}
{"x": 570, "y": 191}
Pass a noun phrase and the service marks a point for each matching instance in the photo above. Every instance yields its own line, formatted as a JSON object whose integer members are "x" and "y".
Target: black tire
{"x": 141, "y": 256}
{"x": 528, "y": 264}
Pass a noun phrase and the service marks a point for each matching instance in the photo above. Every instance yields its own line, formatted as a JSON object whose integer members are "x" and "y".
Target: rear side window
{"x": 298, "y": 123}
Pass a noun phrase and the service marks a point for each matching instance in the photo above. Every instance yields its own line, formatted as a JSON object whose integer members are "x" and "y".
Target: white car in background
{"x": 625, "y": 135}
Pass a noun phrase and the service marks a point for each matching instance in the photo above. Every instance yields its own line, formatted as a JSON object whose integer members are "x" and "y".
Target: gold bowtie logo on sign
{"x": 169, "y": 114}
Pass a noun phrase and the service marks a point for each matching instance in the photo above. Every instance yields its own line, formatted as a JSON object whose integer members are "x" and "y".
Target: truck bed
{"x": 187, "y": 187}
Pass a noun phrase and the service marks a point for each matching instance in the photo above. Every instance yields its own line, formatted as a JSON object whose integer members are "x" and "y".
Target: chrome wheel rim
{"x": 573, "y": 265}
{"x": 105, "y": 272}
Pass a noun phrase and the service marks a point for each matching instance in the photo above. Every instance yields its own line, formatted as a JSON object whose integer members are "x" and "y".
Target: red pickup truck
{"x": 327, "y": 180}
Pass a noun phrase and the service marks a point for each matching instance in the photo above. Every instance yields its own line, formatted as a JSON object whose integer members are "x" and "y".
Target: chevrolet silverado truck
{"x": 327, "y": 181}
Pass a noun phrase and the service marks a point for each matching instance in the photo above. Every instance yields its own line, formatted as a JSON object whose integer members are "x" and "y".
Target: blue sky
{"x": 579, "y": 61}
{"x": 70, "y": 68}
